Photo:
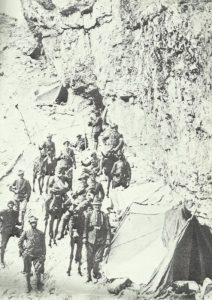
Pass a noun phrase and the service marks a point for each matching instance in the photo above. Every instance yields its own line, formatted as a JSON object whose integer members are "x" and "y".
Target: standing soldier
{"x": 34, "y": 251}
{"x": 48, "y": 145}
{"x": 96, "y": 237}
{"x": 96, "y": 123}
{"x": 8, "y": 222}
{"x": 22, "y": 190}
{"x": 67, "y": 161}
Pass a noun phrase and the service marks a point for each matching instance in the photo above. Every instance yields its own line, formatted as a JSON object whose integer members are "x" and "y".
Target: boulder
{"x": 118, "y": 285}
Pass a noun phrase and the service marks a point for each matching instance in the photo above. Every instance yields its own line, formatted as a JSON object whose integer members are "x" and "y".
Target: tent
{"x": 50, "y": 95}
{"x": 155, "y": 247}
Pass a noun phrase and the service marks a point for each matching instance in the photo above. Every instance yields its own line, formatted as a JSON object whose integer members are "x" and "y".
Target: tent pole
{"x": 22, "y": 118}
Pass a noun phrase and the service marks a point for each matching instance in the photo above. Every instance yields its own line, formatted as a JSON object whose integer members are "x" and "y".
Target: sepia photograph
{"x": 106, "y": 149}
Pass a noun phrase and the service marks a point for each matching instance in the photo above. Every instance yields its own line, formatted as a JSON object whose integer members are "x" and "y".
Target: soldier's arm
{"x": 12, "y": 187}
{"x": 54, "y": 150}
{"x": 2, "y": 212}
{"x": 101, "y": 191}
{"x": 29, "y": 189}
{"x": 120, "y": 144}
{"x": 21, "y": 242}
{"x": 43, "y": 244}
{"x": 85, "y": 232}
{"x": 108, "y": 239}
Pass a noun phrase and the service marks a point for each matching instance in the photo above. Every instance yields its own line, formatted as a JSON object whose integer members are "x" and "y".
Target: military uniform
{"x": 97, "y": 189}
{"x": 80, "y": 193}
{"x": 58, "y": 188}
{"x": 80, "y": 144}
{"x": 67, "y": 161}
{"x": 8, "y": 222}
{"x": 96, "y": 124}
{"x": 32, "y": 247}
{"x": 93, "y": 164}
{"x": 48, "y": 146}
{"x": 22, "y": 189}
{"x": 96, "y": 234}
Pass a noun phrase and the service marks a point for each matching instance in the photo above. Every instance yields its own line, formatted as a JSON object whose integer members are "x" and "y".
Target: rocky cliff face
{"x": 148, "y": 61}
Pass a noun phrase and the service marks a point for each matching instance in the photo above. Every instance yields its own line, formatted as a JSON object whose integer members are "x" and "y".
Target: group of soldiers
{"x": 86, "y": 200}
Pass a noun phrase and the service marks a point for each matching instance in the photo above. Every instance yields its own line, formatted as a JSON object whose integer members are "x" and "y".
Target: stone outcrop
{"x": 148, "y": 61}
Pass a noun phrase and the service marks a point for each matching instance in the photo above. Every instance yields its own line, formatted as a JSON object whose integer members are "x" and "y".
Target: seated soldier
{"x": 48, "y": 145}
{"x": 67, "y": 161}
{"x": 79, "y": 204}
{"x": 113, "y": 143}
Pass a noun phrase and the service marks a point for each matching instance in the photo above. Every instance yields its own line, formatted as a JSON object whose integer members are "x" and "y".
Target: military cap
{"x": 20, "y": 172}
{"x": 83, "y": 176}
{"x": 79, "y": 135}
{"x": 33, "y": 219}
{"x": 113, "y": 125}
{"x": 66, "y": 142}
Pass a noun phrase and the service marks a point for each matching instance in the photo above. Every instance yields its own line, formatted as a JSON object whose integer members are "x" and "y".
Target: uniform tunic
{"x": 9, "y": 219}
{"x": 96, "y": 233}
{"x": 32, "y": 246}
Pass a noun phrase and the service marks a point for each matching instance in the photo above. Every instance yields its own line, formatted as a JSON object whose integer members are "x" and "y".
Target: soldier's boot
{"x": 88, "y": 279}
{"x": 39, "y": 283}
{"x": 96, "y": 273}
{"x": 28, "y": 285}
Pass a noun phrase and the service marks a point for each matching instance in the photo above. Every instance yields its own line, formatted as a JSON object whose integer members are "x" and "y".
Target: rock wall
{"x": 148, "y": 61}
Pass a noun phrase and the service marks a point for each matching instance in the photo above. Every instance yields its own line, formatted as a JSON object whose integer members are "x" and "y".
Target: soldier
{"x": 93, "y": 163}
{"x": 113, "y": 143}
{"x": 121, "y": 172}
{"x": 79, "y": 200}
{"x": 22, "y": 190}
{"x": 96, "y": 123}
{"x": 81, "y": 143}
{"x": 48, "y": 145}
{"x": 58, "y": 187}
{"x": 8, "y": 222}
{"x": 67, "y": 161}
{"x": 32, "y": 248}
{"x": 96, "y": 187}
{"x": 96, "y": 237}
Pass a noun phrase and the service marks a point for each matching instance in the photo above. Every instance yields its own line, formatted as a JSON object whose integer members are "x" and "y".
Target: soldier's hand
{"x": 84, "y": 241}
{"x": 107, "y": 243}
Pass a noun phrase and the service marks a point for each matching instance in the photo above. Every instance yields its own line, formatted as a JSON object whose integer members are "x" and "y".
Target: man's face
{"x": 33, "y": 225}
{"x": 97, "y": 207}
{"x": 90, "y": 196}
{"x": 10, "y": 205}
{"x": 49, "y": 138}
